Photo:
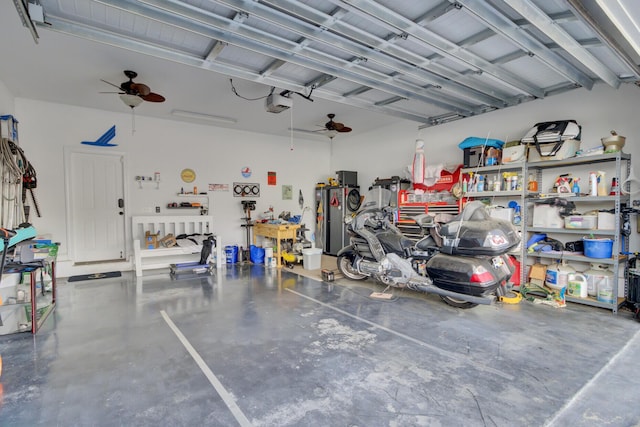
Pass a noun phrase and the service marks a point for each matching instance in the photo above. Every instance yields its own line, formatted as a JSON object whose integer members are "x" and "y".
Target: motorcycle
{"x": 464, "y": 260}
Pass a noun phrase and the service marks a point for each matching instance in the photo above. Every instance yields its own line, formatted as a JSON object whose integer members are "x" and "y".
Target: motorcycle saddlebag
{"x": 478, "y": 276}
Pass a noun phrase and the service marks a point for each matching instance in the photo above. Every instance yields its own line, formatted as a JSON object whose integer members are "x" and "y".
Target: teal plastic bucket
{"x": 597, "y": 248}
{"x": 231, "y": 253}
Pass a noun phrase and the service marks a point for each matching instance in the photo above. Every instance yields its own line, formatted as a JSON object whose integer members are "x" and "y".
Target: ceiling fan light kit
{"x": 131, "y": 100}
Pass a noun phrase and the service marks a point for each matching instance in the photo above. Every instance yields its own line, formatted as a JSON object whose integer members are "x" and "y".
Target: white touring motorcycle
{"x": 463, "y": 261}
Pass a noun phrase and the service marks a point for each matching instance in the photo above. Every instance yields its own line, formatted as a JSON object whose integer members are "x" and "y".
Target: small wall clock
{"x": 188, "y": 175}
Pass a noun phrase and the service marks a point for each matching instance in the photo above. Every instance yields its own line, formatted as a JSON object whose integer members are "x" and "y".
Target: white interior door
{"x": 96, "y": 206}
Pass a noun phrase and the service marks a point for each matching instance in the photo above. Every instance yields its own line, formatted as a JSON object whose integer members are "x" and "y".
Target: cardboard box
{"x": 537, "y": 274}
{"x": 168, "y": 241}
{"x": 150, "y": 240}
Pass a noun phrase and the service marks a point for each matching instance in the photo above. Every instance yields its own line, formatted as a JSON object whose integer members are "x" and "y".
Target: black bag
{"x": 558, "y": 132}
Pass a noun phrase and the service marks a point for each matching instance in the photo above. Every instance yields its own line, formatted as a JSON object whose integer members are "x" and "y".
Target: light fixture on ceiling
{"x": 624, "y": 21}
{"x": 203, "y": 117}
{"x": 131, "y": 100}
{"x": 331, "y": 133}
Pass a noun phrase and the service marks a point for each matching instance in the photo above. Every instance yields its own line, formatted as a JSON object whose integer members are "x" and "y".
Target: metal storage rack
{"x": 37, "y": 303}
{"x": 618, "y": 200}
{"x": 520, "y": 195}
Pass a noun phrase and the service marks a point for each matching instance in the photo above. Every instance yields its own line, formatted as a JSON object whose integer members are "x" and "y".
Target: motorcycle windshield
{"x": 376, "y": 198}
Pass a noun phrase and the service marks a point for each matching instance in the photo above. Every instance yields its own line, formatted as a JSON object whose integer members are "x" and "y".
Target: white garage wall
{"x": 218, "y": 154}
{"x": 215, "y": 154}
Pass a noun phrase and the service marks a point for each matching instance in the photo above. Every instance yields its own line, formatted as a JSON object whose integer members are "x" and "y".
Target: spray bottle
{"x": 602, "y": 183}
{"x": 576, "y": 187}
{"x": 593, "y": 184}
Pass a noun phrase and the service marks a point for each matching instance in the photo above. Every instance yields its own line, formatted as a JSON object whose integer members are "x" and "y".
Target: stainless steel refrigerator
{"x": 333, "y": 206}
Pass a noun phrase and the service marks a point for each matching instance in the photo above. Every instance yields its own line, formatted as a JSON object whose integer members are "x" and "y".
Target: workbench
{"x": 278, "y": 232}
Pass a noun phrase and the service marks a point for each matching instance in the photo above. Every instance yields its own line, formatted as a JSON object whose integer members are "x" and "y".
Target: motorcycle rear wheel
{"x": 344, "y": 265}
{"x": 458, "y": 303}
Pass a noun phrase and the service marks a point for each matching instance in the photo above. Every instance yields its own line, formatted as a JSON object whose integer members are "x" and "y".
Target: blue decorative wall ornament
{"x": 103, "y": 141}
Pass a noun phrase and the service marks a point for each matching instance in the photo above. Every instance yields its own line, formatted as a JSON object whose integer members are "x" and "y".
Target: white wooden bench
{"x": 147, "y": 259}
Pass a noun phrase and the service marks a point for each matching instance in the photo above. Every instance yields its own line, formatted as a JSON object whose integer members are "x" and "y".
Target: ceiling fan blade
{"x": 344, "y": 129}
{"x": 153, "y": 97}
{"x": 120, "y": 93}
{"x": 109, "y": 83}
{"x": 140, "y": 89}
{"x": 337, "y": 126}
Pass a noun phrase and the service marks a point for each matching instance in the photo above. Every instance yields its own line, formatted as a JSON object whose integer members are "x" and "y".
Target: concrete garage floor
{"x": 268, "y": 347}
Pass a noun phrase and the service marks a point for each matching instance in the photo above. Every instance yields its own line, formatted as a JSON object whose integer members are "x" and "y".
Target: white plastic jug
{"x": 557, "y": 276}
{"x": 595, "y": 275}
{"x": 577, "y": 285}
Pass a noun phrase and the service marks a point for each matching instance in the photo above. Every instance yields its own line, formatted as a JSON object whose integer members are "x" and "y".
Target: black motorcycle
{"x": 464, "y": 261}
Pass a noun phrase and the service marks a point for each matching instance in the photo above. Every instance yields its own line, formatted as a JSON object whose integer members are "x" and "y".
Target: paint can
{"x": 269, "y": 259}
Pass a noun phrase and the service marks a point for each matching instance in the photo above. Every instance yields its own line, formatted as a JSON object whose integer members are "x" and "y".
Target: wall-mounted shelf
{"x": 203, "y": 208}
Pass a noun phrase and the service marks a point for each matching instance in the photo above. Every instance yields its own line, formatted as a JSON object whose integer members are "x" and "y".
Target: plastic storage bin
{"x": 584, "y": 222}
{"x": 598, "y": 248}
{"x": 312, "y": 258}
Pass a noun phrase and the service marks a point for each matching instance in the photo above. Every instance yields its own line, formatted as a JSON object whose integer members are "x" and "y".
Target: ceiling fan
{"x": 330, "y": 129}
{"x": 335, "y": 126}
{"x": 132, "y": 93}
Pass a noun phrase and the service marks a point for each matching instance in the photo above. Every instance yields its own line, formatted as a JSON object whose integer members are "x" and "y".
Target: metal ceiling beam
{"x": 193, "y": 19}
{"x": 216, "y": 50}
{"x": 501, "y": 24}
{"x": 320, "y": 34}
{"x": 559, "y": 18}
{"x": 368, "y": 39}
{"x": 435, "y": 12}
{"x": 579, "y": 8}
{"x": 542, "y": 22}
{"x": 378, "y": 49}
{"x": 381, "y": 14}
{"x": 96, "y": 35}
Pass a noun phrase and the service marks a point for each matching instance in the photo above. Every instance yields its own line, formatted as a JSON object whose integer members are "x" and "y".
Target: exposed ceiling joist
{"x": 545, "y": 24}
{"x": 430, "y": 61}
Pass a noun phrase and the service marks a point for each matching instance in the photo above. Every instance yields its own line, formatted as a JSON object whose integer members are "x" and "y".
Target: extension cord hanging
{"x": 291, "y": 130}
{"x": 133, "y": 121}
